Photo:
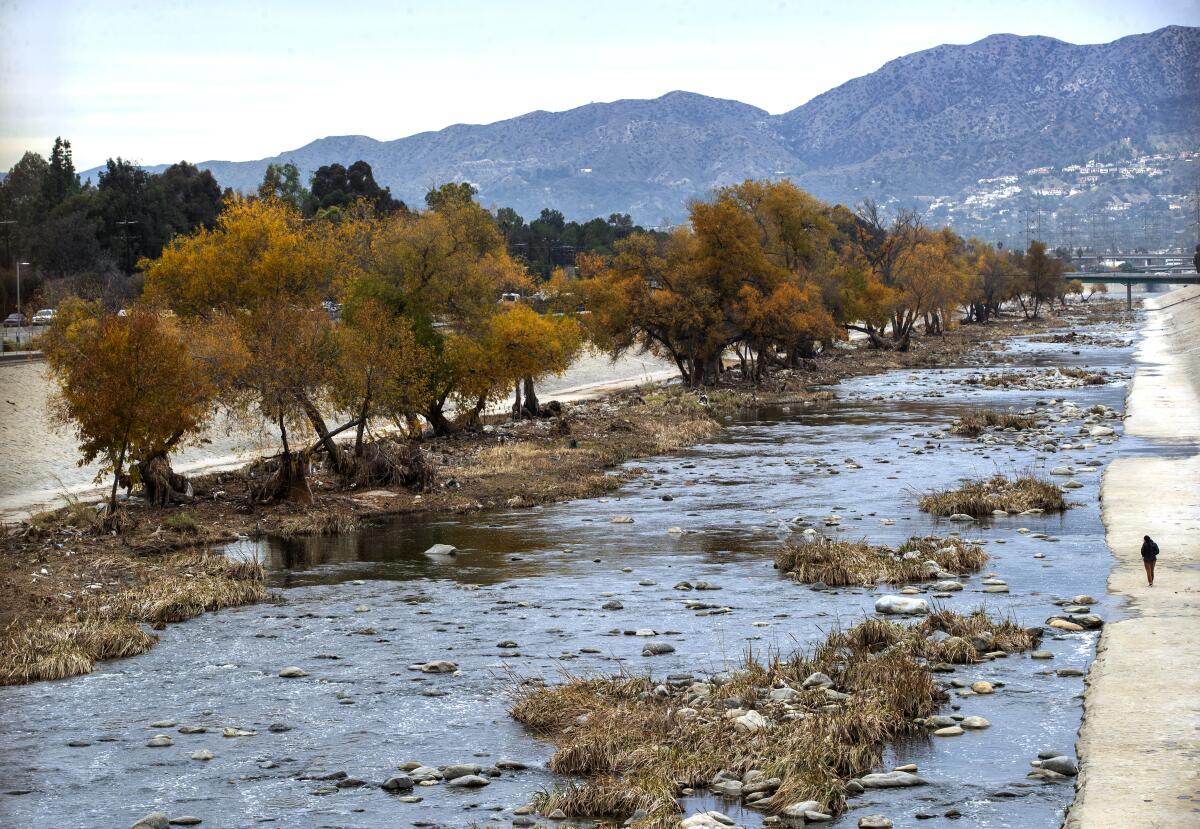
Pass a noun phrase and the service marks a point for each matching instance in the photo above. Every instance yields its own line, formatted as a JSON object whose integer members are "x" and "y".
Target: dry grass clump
{"x": 1008, "y": 635}
{"x": 839, "y": 563}
{"x": 637, "y": 749}
{"x": 1088, "y": 378}
{"x": 109, "y": 626}
{"x": 975, "y": 423}
{"x": 983, "y": 496}
{"x": 54, "y": 650}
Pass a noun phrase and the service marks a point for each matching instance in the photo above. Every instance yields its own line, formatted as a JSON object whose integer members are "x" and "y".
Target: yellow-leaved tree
{"x": 256, "y": 282}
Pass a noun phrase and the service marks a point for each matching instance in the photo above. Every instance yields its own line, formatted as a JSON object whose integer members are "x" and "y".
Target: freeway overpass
{"x": 1131, "y": 279}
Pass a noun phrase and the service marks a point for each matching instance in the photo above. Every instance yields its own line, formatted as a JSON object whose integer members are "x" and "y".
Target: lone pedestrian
{"x": 1149, "y": 556}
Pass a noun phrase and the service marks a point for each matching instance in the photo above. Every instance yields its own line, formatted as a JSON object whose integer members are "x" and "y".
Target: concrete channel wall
{"x": 1139, "y": 746}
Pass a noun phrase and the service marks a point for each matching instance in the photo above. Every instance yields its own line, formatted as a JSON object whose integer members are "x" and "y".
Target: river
{"x": 538, "y": 577}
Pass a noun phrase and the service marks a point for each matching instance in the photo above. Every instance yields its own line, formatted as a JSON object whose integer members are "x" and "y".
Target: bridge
{"x": 1179, "y": 261}
{"x": 1131, "y": 279}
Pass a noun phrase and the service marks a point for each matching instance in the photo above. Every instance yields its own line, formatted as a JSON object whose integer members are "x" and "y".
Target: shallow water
{"x": 539, "y": 577}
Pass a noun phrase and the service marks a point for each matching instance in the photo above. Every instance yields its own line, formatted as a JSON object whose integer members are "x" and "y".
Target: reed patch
{"x": 984, "y": 496}
{"x": 839, "y": 563}
{"x": 804, "y": 727}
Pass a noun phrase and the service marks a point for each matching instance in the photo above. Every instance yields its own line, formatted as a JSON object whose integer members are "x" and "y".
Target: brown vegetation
{"x": 637, "y": 749}
{"x": 114, "y": 596}
{"x": 983, "y": 496}
{"x": 974, "y": 423}
{"x": 837, "y": 563}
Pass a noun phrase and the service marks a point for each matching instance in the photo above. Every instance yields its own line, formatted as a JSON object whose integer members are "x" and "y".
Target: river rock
{"x": 441, "y": 550}
{"x": 622, "y": 519}
{"x": 958, "y": 516}
{"x": 399, "y": 783}
{"x": 657, "y": 649}
{"x": 947, "y": 586}
{"x": 784, "y": 695}
{"x": 982, "y": 687}
{"x": 158, "y": 741}
{"x": 292, "y": 672}
{"x": 154, "y": 820}
{"x": 749, "y": 722}
{"x": 891, "y": 780}
{"x": 975, "y": 722}
{"x": 460, "y": 770}
{"x": 1041, "y": 655}
{"x": 469, "y": 781}
{"x": 425, "y": 774}
{"x": 613, "y": 605}
{"x": 1061, "y": 765}
{"x": 874, "y": 822}
{"x": 901, "y": 605}
{"x": 203, "y": 754}
{"x": 799, "y": 809}
{"x": 186, "y": 820}
{"x": 817, "y": 680}
{"x": 1063, "y": 624}
{"x": 1100, "y": 431}
{"x": 439, "y": 666}
{"x": 948, "y": 731}
{"x": 1087, "y": 621}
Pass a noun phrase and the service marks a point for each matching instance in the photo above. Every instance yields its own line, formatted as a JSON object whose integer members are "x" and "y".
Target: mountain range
{"x": 925, "y": 124}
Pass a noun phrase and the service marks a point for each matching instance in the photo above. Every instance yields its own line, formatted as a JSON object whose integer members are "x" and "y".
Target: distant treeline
{"x": 86, "y": 240}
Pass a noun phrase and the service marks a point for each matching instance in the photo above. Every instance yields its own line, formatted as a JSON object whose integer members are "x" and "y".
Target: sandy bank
{"x": 1139, "y": 746}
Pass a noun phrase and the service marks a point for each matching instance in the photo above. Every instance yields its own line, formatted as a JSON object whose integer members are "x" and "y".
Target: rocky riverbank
{"x": 1140, "y": 741}
{"x": 48, "y": 564}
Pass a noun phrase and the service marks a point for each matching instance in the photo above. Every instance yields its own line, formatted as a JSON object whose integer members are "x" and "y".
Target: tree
{"x": 254, "y": 284}
{"x": 334, "y": 186}
{"x": 522, "y": 346}
{"x": 129, "y": 386}
{"x": 734, "y": 279}
{"x": 61, "y": 180}
{"x": 381, "y": 369}
{"x": 445, "y": 270}
{"x": 1043, "y": 279}
{"x": 282, "y": 181}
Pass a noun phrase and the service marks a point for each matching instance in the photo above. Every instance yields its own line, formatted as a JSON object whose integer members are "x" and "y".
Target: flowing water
{"x": 538, "y": 577}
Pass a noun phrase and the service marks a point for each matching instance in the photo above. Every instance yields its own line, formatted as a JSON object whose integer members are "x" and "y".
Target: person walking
{"x": 1149, "y": 557}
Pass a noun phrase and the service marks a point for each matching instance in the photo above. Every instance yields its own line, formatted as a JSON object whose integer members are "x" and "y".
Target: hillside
{"x": 927, "y": 124}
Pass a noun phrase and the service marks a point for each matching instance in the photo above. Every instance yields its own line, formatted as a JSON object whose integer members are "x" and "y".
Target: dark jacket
{"x": 1149, "y": 549}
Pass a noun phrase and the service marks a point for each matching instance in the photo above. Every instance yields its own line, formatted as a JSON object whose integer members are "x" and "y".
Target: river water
{"x": 539, "y": 577}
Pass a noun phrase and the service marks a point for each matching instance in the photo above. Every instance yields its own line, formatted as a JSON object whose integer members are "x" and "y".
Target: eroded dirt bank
{"x": 1140, "y": 741}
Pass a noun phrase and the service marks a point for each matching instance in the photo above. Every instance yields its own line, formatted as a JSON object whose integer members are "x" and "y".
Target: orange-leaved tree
{"x": 130, "y": 386}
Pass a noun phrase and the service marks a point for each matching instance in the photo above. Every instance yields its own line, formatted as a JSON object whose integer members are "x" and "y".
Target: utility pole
{"x": 19, "y": 264}
{"x": 125, "y": 235}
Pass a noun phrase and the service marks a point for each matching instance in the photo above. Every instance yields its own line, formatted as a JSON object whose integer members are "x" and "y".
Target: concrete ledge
{"x": 1139, "y": 746}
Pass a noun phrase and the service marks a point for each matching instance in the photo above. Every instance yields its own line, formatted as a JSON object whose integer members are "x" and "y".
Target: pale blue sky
{"x": 163, "y": 80}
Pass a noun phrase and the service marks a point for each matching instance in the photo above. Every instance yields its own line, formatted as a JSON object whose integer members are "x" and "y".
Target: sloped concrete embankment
{"x": 1139, "y": 747}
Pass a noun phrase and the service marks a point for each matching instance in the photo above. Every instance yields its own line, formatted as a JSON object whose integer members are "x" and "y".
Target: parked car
{"x": 14, "y": 321}
{"x": 44, "y": 316}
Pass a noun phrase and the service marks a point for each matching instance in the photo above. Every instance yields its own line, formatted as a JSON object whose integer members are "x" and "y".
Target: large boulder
{"x": 891, "y": 780}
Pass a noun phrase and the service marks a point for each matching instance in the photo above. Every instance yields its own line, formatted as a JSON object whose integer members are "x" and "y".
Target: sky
{"x": 160, "y": 81}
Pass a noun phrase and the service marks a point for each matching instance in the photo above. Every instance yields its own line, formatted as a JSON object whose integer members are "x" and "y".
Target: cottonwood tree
{"x": 1043, "y": 279}
{"x": 131, "y": 389}
{"x": 255, "y": 283}
{"x": 445, "y": 270}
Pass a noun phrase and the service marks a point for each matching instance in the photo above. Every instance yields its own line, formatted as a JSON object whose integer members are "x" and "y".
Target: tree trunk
{"x": 437, "y": 419}
{"x": 532, "y": 406}
{"x": 112, "y": 498}
{"x": 336, "y": 458}
{"x": 517, "y": 406}
{"x": 362, "y": 426}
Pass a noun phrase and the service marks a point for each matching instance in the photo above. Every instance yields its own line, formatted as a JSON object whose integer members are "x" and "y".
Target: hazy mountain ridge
{"x": 924, "y": 124}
